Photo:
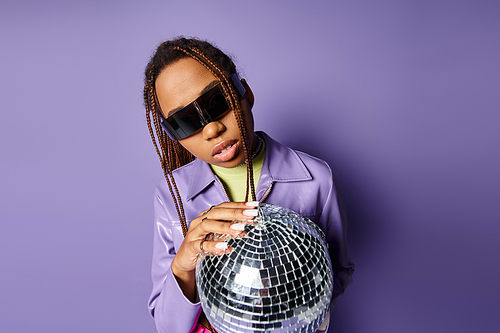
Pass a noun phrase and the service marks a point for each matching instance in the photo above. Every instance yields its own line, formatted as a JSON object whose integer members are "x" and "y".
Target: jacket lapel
{"x": 281, "y": 164}
{"x": 199, "y": 179}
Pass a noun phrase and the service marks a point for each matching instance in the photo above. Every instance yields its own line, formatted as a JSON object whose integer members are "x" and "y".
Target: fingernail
{"x": 237, "y": 226}
{"x": 252, "y": 203}
{"x": 251, "y": 212}
{"x": 221, "y": 246}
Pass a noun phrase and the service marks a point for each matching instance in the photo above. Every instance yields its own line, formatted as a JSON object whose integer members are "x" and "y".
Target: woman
{"x": 216, "y": 170}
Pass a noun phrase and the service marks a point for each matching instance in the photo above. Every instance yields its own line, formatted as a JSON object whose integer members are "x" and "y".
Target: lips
{"x": 226, "y": 150}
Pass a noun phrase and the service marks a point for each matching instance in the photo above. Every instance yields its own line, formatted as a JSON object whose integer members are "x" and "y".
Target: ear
{"x": 248, "y": 93}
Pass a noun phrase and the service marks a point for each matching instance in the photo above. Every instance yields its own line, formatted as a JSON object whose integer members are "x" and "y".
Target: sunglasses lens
{"x": 183, "y": 123}
{"x": 194, "y": 116}
{"x": 215, "y": 104}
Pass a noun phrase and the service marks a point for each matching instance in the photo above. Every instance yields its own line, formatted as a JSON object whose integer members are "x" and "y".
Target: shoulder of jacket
{"x": 315, "y": 164}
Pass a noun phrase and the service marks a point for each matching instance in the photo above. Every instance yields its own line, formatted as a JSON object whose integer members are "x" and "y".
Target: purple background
{"x": 400, "y": 97}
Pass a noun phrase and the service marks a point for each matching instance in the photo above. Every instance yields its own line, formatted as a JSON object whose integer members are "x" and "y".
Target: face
{"x": 219, "y": 142}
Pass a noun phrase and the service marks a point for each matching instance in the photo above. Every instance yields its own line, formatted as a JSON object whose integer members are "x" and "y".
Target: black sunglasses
{"x": 207, "y": 108}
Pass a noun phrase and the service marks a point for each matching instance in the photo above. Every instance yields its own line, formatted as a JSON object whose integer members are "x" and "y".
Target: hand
{"x": 214, "y": 220}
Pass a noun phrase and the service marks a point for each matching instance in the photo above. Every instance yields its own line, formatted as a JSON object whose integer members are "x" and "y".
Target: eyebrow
{"x": 205, "y": 90}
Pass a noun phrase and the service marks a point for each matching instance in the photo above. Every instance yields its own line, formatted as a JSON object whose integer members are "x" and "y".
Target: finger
{"x": 228, "y": 211}
{"x": 234, "y": 204}
{"x": 219, "y": 227}
{"x": 203, "y": 212}
{"x": 214, "y": 247}
{"x": 232, "y": 213}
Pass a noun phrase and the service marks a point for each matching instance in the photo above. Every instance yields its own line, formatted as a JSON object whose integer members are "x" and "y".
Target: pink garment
{"x": 198, "y": 328}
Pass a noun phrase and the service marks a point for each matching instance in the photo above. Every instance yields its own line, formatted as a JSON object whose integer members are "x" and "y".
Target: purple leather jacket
{"x": 288, "y": 178}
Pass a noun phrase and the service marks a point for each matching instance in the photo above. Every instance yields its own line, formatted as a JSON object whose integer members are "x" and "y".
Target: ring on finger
{"x": 201, "y": 246}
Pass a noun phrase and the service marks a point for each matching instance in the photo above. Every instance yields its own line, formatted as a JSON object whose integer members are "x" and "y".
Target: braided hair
{"x": 171, "y": 153}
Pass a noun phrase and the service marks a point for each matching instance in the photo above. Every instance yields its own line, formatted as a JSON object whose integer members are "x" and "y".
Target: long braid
{"x": 171, "y": 153}
{"x": 235, "y": 105}
{"x": 167, "y": 169}
{"x": 166, "y": 166}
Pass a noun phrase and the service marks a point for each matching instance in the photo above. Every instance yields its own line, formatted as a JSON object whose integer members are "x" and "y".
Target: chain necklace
{"x": 256, "y": 150}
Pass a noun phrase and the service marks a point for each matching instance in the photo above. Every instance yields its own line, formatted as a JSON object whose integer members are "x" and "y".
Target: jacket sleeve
{"x": 171, "y": 310}
{"x": 333, "y": 222}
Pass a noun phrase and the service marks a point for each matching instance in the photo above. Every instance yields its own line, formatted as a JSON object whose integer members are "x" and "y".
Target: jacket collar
{"x": 281, "y": 164}
{"x": 200, "y": 177}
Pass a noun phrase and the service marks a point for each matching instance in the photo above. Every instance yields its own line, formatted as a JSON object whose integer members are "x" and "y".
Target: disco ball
{"x": 277, "y": 278}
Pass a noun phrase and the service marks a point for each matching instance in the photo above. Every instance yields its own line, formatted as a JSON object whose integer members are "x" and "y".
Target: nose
{"x": 213, "y": 130}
